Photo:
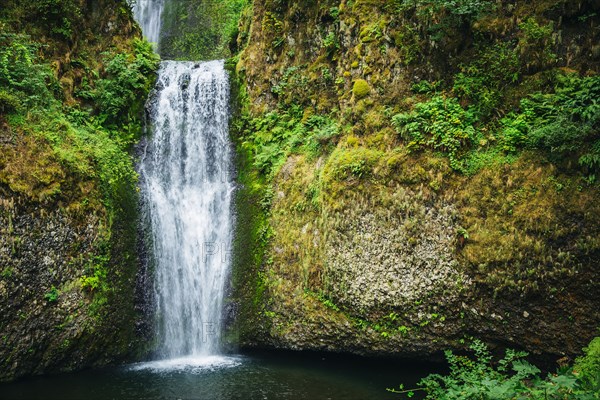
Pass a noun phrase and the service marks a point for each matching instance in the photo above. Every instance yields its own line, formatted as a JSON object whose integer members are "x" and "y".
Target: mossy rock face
{"x": 377, "y": 245}
{"x": 361, "y": 88}
{"x": 68, "y": 200}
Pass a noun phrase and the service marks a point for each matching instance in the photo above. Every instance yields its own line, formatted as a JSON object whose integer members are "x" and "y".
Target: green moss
{"x": 8, "y": 102}
{"x": 361, "y": 88}
{"x": 462, "y": 151}
{"x": 356, "y": 162}
{"x": 253, "y": 233}
{"x": 80, "y": 112}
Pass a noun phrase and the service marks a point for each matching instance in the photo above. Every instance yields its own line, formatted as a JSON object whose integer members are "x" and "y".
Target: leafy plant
{"x": 57, "y": 16}
{"x": 587, "y": 367}
{"x": 23, "y": 75}
{"x": 512, "y": 377}
{"x": 127, "y": 76}
{"x": 441, "y": 16}
{"x": 482, "y": 82}
{"x": 8, "y": 102}
{"x": 52, "y": 295}
{"x": 425, "y": 87}
{"x": 200, "y": 30}
{"x": 331, "y": 43}
{"x": 326, "y": 301}
{"x": 564, "y": 124}
{"x": 98, "y": 271}
{"x": 322, "y": 131}
{"x": 536, "y": 42}
{"x": 441, "y": 124}
{"x": 290, "y": 90}
{"x": 275, "y": 136}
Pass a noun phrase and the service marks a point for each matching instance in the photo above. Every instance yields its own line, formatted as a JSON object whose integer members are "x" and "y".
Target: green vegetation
{"x": 56, "y": 16}
{"x": 587, "y": 367}
{"x": 200, "y": 30}
{"x": 89, "y": 144}
{"x": 361, "y": 88}
{"x": 484, "y": 80}
{"x": 439, "y": 17}
{"x": 52, "y": 295}
{"x": 563, "y": 125}
{"x": 274, "y": 136}
{"x": 117, "y": 94}
{"x": 462, "y": 111}
{"x": 512, "y": 377}
{"x": 72, "y": 142}
{"x": 441, "y": 124}
{"x": 24, "y": 82}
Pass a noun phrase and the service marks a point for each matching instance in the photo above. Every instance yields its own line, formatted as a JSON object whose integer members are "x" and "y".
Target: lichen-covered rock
{"x": 374, "y": 246}
{"x": 384, "y": 258}
{"x": 47, "y": 320}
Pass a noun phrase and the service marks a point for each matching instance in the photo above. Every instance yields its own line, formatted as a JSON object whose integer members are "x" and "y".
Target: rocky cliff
{"x": 417, "y": 173}
{"x": 75, "y": 75}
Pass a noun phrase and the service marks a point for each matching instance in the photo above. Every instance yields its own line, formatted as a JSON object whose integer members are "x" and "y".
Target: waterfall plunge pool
{"x": 260, "y": 375}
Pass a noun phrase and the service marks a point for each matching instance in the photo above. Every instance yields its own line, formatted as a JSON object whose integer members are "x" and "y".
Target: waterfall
{"x": 188, "y": 190}
{"x": 187, "y": 193}
{"x": 148, "y": 13}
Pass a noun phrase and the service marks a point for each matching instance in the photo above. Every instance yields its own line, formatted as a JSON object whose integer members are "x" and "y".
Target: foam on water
{"x": 192, "y": 365}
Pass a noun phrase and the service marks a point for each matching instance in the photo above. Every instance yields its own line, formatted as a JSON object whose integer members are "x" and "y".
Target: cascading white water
{"x": 148, "y": 13}
{"x": 188, "y": 191}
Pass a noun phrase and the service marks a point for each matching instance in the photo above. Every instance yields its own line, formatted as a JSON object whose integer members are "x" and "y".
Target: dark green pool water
{"x": 258, "y": 376}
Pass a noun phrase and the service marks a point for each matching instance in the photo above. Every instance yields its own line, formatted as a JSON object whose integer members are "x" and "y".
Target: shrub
{"x": 57, "y": 16}
{"x": 291, "y": 88}
{"x": 22, "y": 73}
{"x": 331, "y": 43}
{"x": 510, "y": 378}
{"x": 564, "y": 124}
{"x": 440, "y": 124}
{"x": 483, "y": 81}
{"x": 442, "y": 16}
{"x": 128, "y": 77}
{"x": 568, "y": 120}
{"x": 536, "y": 44}
{"x": 275, "y": 136}
{"x": 194, "y": 30}
{"x": 587, "y": 367}
{"x": 322, "y": 131}
{"x": 98, "y": 270}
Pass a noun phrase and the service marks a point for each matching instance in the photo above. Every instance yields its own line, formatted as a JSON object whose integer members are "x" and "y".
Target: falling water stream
{"x": 148, "y": 13}
{"x": 187, "y": 189}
